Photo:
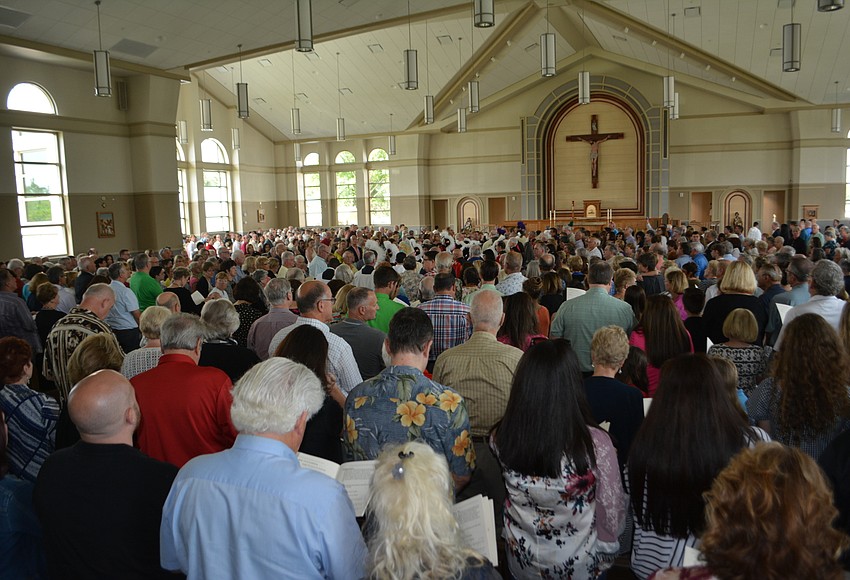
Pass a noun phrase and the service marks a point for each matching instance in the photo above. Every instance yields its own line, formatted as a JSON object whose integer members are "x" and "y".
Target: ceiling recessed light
{"x": 692, "y": 11}
{"x": 345, "y": 91}
{"x": 259, "y": 100}
{"x": 301, "y": 96}
{"x": 375, "y": 48}
{"x": 622, "y": 38}
{"x": 265, "y": 62}
{"x": 444, "y": 39}
{"x": 312, "y": 55}
{"x": 775, "y": 52}
{"x": 531, "y": 47}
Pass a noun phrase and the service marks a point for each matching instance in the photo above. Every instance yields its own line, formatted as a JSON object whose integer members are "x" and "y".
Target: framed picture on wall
{"x": 105, "y": 224}
{"x": 261, "y": 215}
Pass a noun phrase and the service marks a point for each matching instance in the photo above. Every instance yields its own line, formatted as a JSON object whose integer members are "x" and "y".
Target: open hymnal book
{"x": 355, "y": 476}
{"x": 478, "y": 526}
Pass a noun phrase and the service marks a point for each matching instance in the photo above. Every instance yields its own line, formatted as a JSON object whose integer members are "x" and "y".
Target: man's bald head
{"x": 103, "y": 407}
{"x": 169, "y": 300}
{"x": 486, "y": 311}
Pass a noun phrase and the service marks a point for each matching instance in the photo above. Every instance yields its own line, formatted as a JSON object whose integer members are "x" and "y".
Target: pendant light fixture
{"x": 836, "y": 113}
{"x": 670, "y": 80}
{"x": 206, "y": 109}
{"x": 472, "y": 86}
{"x": 484, "y": 13}
{"x": 411, "y": 63}
{"x": 461, "y": 111}
{"x": 391, "y": 140}
{"x": 102, "y": 75}
{"x": 830, "y": 5}
{"x": 294, "y": 112}
{"x": 583, "y": 76}
{"x": 791, "y": 44}
{"x": 429, "y": 98}
{"x": 235, "y": 139}
{"x": 674, "y": 111}
{"x": 547, "y": 49}
{"x": 304, "y": 21}
{"x": 340, "y": 122}
{"x": 296, "y": 148}
{"x": 241, "y": 91}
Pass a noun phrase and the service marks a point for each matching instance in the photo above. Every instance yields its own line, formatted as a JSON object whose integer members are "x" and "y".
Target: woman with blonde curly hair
{"x": 411, "y": 531}
{"x": 769, "y": 515}
{"x": 805, "y": 402}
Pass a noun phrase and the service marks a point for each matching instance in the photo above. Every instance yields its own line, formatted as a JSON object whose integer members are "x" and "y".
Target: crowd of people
{"x": 622, "y": 396}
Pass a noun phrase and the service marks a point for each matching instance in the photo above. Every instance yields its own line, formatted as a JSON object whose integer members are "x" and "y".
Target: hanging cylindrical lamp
{"x": 429, "y": 109}
{"x": 340, "y": 129}
{"x": 461, "y": 120}
{"x": 674, "y": 110}
{"x": 472, "y": 89}
{"x": 340, "y": 122}
{"x": 791, "y": 43}
{"x": 235, "y": 138}
{"x": 294, "y": 112}
{"x": 583, "y": 87}
{"x": 296, "y": 148}
{"x": 484, "y": 13}
{"x": 102, "y": 73}
{"x": 182, "y": 132}
{"x": 206, "y": 110}
{"x": 836, "y": 114}
{"x": 241, "y": 92}
{"x": 304, "y": 21}
{"x": 547, "y": 54}
{"x": 391, "y": 140}
{"x": 830, "y": 5}
{"x": 669, "y": 91}
{"x": 411, "y": 70}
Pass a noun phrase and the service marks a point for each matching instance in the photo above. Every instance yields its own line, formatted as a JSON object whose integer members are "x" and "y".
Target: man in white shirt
{"x": 825, "y": 284}
{"x": 754, "y": 233}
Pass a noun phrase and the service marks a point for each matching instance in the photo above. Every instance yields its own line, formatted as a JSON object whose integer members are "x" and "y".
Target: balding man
{"x": 224, "y": 506}
{"x": 100, "y": 501}
{"x": 83, "y": 321}
{"x": 315, "y": 305}
{"x": 169, "y": 300}
{"x": 186, "y": 407}
{"x": 279, "y": 296}
{"x": 482, "y": 370}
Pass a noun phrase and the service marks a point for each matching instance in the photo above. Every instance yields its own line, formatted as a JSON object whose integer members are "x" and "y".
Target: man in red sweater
{"x": 185, "y": 408}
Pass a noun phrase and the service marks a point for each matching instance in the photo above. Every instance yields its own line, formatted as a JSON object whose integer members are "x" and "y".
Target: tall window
{"x": 216, "y": 187}
{"x": 38, "y": 177}
{"x": 379, "y": 189}
{"x": 312, "y": 193}
{"x": 182, "y": 194}
{"x": 346, "y": 191}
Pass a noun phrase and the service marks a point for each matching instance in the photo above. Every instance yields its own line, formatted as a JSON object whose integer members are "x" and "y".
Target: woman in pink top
{"x": 676, "y": 282}
{"x": 661, "y": 334}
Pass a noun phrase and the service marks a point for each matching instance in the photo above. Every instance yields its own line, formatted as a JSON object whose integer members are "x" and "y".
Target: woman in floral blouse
{"x": 565, "y": 508}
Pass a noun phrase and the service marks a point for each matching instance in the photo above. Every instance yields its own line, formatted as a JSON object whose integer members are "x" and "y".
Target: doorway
{"x": 497, "y": 210}
{"x": 774, "y": 208}
{"x": 440, "y": 213}
{"x": 701, "y": 208}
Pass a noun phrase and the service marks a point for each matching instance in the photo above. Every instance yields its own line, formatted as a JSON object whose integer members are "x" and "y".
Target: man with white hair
{"x": 87, "y": 269}
{"x": 279, "y": 295}
{"x": 514, "y": 279}
{"x": 825, "y": 284}
{"x": 100, "y": 501}
{"x": 363, "y": 278}
{"x": 186, "y": 407}
{"x": 481, "y": 370}
{"x": 303, "y": 520}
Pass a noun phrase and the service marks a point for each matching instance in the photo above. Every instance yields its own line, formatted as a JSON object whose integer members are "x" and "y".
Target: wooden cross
{"x": 594, "y": 139}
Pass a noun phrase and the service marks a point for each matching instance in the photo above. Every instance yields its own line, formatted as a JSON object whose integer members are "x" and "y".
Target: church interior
{"x": 339, "y": 134}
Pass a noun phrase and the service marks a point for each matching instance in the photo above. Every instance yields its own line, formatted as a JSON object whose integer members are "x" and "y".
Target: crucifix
{"x": 594, "y": 139}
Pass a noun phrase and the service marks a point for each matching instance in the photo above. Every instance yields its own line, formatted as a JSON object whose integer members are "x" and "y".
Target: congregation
{"x": 626, "y": 399}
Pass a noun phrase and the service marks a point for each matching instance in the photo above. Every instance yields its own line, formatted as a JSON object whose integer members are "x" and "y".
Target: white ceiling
{"x": 728, "y": 43}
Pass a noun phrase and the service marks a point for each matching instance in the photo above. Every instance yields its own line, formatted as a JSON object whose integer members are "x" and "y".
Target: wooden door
{"x": 440, "y": 213}
{"x": 497, "y": 210}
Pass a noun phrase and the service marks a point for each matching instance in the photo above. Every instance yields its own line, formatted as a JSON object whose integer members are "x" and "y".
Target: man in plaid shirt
{"x": 450, "y": 317}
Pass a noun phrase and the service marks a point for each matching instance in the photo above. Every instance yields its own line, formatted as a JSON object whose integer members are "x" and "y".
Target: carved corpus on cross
{"x": 594, "y": 139}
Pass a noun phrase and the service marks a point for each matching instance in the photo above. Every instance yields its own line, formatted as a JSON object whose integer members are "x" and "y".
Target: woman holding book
{"x": 565, "y": 509}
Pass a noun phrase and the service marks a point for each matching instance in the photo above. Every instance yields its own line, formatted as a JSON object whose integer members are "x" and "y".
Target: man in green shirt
{"x": 143, "y": 285}
{"x": 386, "y": 287}
{"x": 489, "y": 271}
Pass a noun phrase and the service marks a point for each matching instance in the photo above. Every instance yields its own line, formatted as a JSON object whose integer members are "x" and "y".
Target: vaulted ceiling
{"x": 732, "y": 46}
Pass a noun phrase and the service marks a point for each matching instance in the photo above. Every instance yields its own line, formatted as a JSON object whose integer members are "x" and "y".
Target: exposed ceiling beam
{"x": 616, "y": 19}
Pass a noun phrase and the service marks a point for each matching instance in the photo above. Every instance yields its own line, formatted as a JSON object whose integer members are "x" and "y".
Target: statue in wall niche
{"x": 737, "y": 221}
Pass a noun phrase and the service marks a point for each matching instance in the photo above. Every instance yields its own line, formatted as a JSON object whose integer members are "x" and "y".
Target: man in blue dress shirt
{"x": 252, "y": 511}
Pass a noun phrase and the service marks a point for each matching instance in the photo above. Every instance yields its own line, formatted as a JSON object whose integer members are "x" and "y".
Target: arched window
{"x": 216, "y": 186}
{"x": 346, "y": 191}
{"x": 379, "y": 189}
{"x": 30, "y": 97}
{"x": 182, "y": 194}
{"x": 312, "y": 192}
{"x": 39, "y": 177}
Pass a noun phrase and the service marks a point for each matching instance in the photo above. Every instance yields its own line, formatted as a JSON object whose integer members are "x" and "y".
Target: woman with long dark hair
{"x": 249, "y": 306}
{"x": 690, "y": 433}
{"x": 805, "y": 402}
{"x": 564, "y": 510}
{"x": 519, "y": 328}
{"x": 661, "y": 334}
{"x": 308, "y": 346}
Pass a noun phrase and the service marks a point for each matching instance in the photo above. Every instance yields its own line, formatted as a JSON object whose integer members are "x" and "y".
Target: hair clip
{"x": 398, "y": 468}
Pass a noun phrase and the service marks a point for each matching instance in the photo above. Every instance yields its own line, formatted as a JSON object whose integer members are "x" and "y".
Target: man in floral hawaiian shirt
{"x": 401, "y": 404}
